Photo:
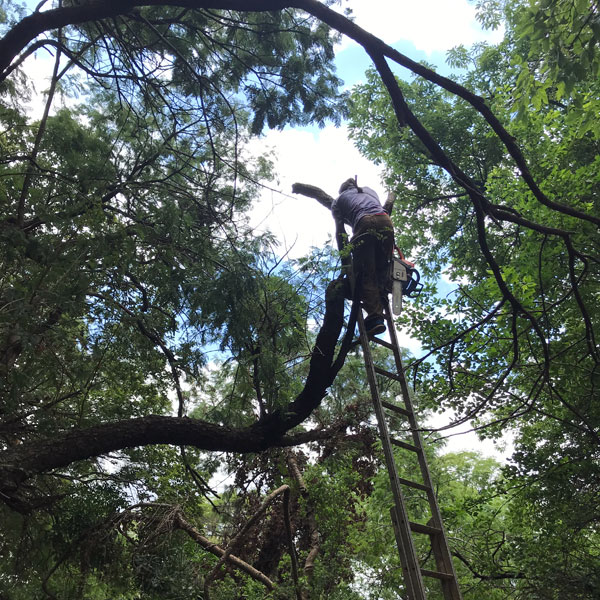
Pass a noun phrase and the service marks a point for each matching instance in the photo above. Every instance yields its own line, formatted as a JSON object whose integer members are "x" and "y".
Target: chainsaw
{"x": 405, "y": 281}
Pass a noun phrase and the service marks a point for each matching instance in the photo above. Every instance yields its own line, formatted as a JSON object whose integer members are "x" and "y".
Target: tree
{"x": 126, "y": 258}
{"x": 165, "y": 203}
{"x": 23, "y": 32}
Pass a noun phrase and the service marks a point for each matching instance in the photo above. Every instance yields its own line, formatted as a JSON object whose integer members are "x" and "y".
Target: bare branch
{"x": 309, "y": 563}
{"x": 238, "y": 537}
{"x": 180, "y": 522}
{"x": 312, "y": 191}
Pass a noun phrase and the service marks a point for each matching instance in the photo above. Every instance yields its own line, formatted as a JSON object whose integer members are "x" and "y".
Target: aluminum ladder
{"x": 404, "y": 529}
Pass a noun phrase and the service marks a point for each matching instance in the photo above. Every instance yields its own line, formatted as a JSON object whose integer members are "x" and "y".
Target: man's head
{"x": 349, "y": 183}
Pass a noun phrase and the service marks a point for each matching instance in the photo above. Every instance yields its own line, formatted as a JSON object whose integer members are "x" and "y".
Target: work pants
{"x": 372, "y": 246}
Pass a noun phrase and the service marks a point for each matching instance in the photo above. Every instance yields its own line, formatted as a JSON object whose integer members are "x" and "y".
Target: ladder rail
{"x": 403, "y": 527}
{"x": 439, "y": 543}
{"x": 404, "y": 540}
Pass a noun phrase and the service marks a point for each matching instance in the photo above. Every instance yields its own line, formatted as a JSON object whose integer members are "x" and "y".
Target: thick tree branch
{"x": 376, "y": 47}
{"x": 32, "y": 458}
{"x": 312, "y": 191}
{"x": 24, "y": 32}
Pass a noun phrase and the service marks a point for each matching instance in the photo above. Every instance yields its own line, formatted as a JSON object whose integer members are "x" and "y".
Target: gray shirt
{"x": 351, "y": 206}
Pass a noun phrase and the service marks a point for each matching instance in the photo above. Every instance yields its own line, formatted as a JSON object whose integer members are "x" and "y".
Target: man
{"x": 372, "y": 246}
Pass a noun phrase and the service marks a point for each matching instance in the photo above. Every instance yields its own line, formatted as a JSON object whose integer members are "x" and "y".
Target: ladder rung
{"x": 385, "y": 373}
{"x": 405, "y": 445}
{"x": 414, "y": 484}
{"x": 395, "y": 408}
{"x": 383, "y": 343}
{"x": 426, "y": 529}
{"x": 437, "y": 574}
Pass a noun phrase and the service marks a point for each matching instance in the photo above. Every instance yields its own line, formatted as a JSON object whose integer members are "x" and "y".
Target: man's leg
{"x": 365, "y": 268}
{"x": 370, "y": 292}
{"x": 383, "y": 261}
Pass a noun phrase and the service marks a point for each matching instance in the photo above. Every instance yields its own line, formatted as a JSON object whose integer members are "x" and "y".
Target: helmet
{"x": 347, "y": 185}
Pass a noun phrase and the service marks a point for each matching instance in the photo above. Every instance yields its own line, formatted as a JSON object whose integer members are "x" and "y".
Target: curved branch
{"x": 237, "y": 538}
{"x": 375, "y": 46}
{"x": 481, "y": 205}
{"x": 312, "y": 191}
{"x": 16, "y": 40}
{"x": 181, "y": 523}
{"x": 494, "y": 577}
{"x": 26, "y": 30}
{"x": 32, "y": 458}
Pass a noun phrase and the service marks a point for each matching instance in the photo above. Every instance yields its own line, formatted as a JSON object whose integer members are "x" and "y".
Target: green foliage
{"x": 131, "y": 286}
{"x": 486, "y": 359}
{"x": 562, "y": 39}
{"x": 127, "y": 265}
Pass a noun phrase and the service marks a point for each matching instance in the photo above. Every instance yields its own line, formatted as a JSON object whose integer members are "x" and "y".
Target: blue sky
{"x": 352, "y": 61}
{"x": 423, "y": 30}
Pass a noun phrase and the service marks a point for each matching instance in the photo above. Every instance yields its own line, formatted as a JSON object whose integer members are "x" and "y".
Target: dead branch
{"x": 290, "y": 539}
{"x": 389, "y": 203}
{"x": 309, "y": 563}
{"x": 238, "y": 537}
{"x": 377, "y": 50}
{"x": 323, "y": 198}
{"x": 312, "y": 191}
{"x": 181, "y": 523}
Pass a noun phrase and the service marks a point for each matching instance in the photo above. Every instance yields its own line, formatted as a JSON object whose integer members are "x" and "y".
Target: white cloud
{"x": 462, "y": 437}
{"x": 452, "y": 279}
{"x": 430, "y": 24}
{"x": 327, "y": 157}
{"x": 324, "y": 158}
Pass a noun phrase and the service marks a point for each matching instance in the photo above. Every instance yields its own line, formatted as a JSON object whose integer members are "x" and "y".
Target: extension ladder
{"x": 403, "y": 527}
